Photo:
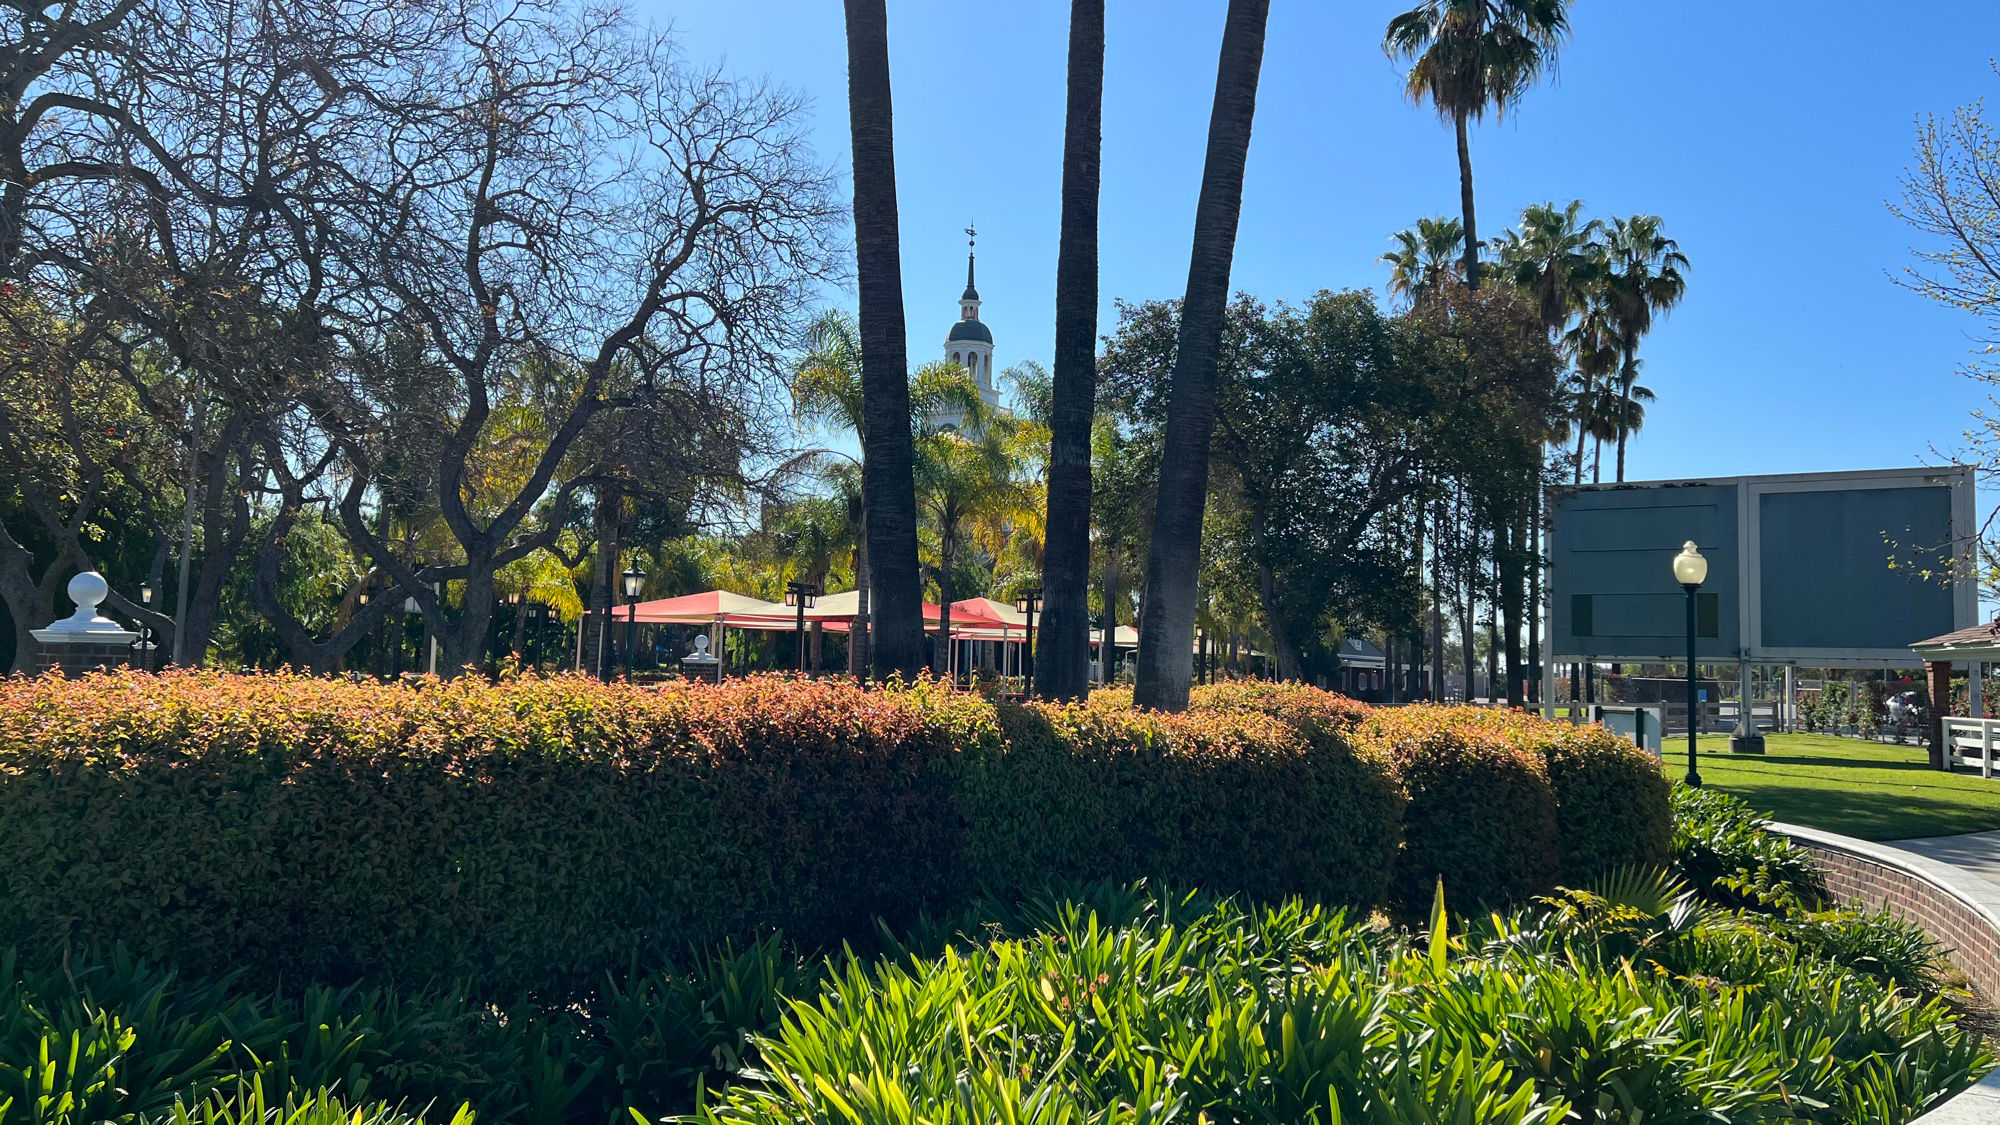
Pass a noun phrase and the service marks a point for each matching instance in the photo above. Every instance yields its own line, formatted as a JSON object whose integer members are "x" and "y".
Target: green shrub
{"x": 1612, "y": 806}
{"x": 527, "y": 836}
{"x": 1482, "y": 812}
{"x": 1237, "y": 801}
{"x": 1722, "y": 850}
{"x": 1317, "y": 713}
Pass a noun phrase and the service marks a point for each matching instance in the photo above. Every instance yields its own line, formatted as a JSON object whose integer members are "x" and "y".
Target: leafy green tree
{"x": 1469, "y": 56}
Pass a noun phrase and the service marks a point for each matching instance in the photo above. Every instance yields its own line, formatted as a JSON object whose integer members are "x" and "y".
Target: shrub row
{"x": 534, "y": 833}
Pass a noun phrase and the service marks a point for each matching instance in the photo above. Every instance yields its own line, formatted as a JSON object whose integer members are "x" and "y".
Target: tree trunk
{"x": 1534, "y": 583}
{"x": 1166, "y": 630}
{"x": 1465, "y": 201}
{"x": 1291, "y": 665}
{"x": 1626, "y": 377}
{"x": 1062, "y": 666}
{"x": 889, "y": 496}
{"x": 947, "y": 554}
{"x": 1509, "y": 532}
{"x": 1107, "y": 649}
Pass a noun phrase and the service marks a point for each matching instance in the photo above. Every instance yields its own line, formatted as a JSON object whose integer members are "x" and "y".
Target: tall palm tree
{"x": 1062, "y": 665}
{"x": 1426, "y": 258}
{"x": 1166, "y": 624}
{"x": 1469, "y": 56}
{"x": 1645, "y": 274}
{"x": 889, "y": 499}
{"x": 1554, "y": 258}
{"x": 1593, "y": 349}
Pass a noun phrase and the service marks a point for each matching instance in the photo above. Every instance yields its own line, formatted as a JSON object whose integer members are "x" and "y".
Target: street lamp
{"x": 800, "y": 596}
{"x": 145, "y": 630}
{"x": 1691, "y": 570}
{"x": 1028, "y": 603}
{"x": 635, "y": 581}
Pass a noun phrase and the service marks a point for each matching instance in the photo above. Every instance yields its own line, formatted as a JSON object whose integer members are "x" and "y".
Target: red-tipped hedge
{"x": 1482, "y": 813}
{"x": 528, "y": 835}
{"x": 1210, "y": 799}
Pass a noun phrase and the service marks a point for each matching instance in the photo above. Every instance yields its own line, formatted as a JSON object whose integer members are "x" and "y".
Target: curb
{"x": 1960, "y": 910}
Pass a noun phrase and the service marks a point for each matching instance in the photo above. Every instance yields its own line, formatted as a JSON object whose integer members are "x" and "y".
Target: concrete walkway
{"x": 1974, "y": 852}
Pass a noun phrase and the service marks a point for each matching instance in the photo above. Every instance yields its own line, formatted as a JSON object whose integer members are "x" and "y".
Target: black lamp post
{"x": 800, "y": 596}
{"x": 1028, "y": 603}
{"x": 361, "y": 600}
{"x": 145, "y": 630}
{"x": 1691, "y": 570}
{"x": 635, "y": 581}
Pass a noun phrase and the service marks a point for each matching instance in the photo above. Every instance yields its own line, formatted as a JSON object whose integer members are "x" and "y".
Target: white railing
{"x": 1969, "y": 741}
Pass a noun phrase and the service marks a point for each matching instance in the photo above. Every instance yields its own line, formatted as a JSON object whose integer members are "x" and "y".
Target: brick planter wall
{"x": 76, "y": 659}
{"x": 1961, "y": 911}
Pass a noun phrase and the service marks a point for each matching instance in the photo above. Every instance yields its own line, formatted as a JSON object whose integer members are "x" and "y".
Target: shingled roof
{"x": 1985, "y": 636}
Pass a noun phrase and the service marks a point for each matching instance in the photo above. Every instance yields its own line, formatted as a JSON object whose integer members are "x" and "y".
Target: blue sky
{"x": 1768, "y": 135}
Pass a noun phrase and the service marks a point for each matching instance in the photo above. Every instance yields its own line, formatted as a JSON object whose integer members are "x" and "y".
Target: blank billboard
{"x": 1824, "y": 570}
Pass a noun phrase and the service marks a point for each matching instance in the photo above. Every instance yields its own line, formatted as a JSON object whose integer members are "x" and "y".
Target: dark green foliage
{"x": 1482, "y": 813}
{"x": 1722, "y": 850}
{"x": 1234, "y": 800}
{"x": 1612, "y": 807}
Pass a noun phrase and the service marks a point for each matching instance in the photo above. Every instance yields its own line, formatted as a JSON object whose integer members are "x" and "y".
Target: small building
{"x": 1363, "y": 668}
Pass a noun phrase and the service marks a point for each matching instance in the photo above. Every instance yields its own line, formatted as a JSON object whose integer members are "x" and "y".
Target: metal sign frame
{"x": 1750, "y": 490}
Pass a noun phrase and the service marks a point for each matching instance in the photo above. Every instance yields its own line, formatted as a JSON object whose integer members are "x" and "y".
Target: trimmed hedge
{"x": 531, "y": 835}
{"x": 1613, "y": 806}
{"x": 1482, "y": 812}
{"x": 1215, "y": 800}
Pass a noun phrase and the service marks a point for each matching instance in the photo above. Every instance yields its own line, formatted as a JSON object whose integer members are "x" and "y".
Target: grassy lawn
{"x": 1865, "y": 789}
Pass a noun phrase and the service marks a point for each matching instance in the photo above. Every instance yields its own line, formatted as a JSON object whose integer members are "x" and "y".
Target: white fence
{"x": 1970, "y": 742}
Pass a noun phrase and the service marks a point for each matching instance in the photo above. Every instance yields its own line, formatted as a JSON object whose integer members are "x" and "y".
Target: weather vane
{"x": 971, "y": 236}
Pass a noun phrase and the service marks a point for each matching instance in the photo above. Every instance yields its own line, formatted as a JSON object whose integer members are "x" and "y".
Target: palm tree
{"x": 1607, "y": 411}
{"x": 1426, "y": 258}
{"x": 826, "y": 390}
{"x": 1593, "y": 349}
{"x": 1166, "y": 629}
{"x": 1062, "y": 667}
{"x": 1469, "y": 56}
{"x": 965, "y": 479}
{"x": 1645, "y": 274}
{"x": 1554, "y": 258}
{"x": 889, "y": 498}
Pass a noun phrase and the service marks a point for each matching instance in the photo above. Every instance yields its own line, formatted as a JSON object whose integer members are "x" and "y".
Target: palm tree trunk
{"x": 1583, "y": 422}
{"x": 1107, "y": 649}
{"x": 1465, "y": 202}
{"x": 889, "y": 497}
{"x": 1166, "y": 630}
{"x": 1627, "y": 375}
{"x": 947, "y": 548}
{"x": 1062, "y": 666}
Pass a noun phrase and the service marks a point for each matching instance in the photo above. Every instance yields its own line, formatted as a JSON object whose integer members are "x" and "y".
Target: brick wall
{"x": 1959, "y": 910}
{"x": 74, "y": 660}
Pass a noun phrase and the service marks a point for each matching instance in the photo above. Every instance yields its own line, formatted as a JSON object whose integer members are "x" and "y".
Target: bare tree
{"x": 569, "y": 221}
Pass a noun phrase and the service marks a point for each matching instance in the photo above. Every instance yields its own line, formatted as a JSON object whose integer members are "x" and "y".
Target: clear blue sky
{"x": 1768, "y": 135}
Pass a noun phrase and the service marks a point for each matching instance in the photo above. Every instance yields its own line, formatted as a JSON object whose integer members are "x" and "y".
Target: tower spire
{"x": 971, "y": 245}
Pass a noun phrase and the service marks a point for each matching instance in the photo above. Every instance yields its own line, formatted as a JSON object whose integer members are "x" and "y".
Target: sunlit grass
{"x": 1867, "y": 789}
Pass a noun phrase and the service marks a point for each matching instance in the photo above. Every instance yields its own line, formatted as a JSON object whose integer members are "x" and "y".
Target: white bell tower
{"x": 970, "y": 343}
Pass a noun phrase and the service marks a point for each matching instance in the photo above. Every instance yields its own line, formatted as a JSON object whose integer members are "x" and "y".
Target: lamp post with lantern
{"x": 800, "y": 596}
{"x": 1028, "y": 603}
{"x": 146, "y": 645}
{"x": 1691, "y": 570}
{"x": 634, "y": 581}
{"x": 361, "y": 600}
